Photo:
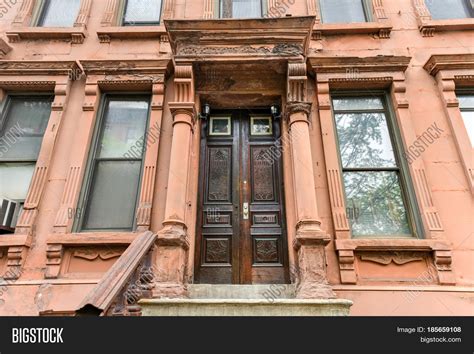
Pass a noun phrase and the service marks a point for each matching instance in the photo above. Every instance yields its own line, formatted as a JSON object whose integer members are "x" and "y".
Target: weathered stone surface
{"x": 242, "y": 307}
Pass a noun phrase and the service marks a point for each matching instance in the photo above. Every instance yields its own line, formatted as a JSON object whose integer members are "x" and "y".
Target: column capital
{"x": 292, "y": 108}
{"x": 183, "y": 112}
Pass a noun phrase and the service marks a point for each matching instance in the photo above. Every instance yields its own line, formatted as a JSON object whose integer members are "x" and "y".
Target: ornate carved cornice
{"x": 439, "y": 62}
{"x": 357, "y": 64}
{"x": 116, "y": 67}
{"x": 37, "y": 67}
{"x": 286, "y": 37}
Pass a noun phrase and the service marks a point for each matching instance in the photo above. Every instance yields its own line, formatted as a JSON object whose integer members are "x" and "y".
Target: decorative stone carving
{"x": 443, "y": 261}
{"x": 285, "y": 37}
{"x": 92, "y": 254}
{"x": 376, "y": 72}
{"x": 396, "y": 257}
{"x": 312, "y": 279}
{"x": 277, "y": 50}
{"x": 297, "y": 82}
{"x": 37, "y": 67}
{"x": 54, "y": 255}
{"x": 24, "y": 13}
{"x": 172, "y": 242}
{"x": 298, "y": 107}
{"x": 83, "y": 14}
{"x": 110, "y": 13}
{"x": 451, "y": 71}
{"x": 208, "y": 9}
{"x": 310, "y": 238}
{"x": 15, "y": 259}
{"x": 168, "y": 7}
{"x": 4, "y": 48}
{"x": 153, "y": 138}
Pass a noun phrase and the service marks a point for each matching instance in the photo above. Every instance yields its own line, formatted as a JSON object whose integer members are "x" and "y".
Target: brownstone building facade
{"x": 165, "y": 157}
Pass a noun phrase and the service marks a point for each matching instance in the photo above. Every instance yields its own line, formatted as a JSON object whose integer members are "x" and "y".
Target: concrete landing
{"x": 244, "y": 300}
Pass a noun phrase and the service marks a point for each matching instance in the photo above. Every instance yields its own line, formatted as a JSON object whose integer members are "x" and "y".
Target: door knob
{"x": 245, "y": 209}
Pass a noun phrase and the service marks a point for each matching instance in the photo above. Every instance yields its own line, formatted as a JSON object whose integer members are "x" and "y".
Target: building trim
{"x": 452, "y": 72}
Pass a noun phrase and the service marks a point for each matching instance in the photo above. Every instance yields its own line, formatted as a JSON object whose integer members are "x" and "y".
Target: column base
{"x": 313, "y": 290}
{"x": 170, "y": 266}
{"x": 170, "y": 291}
{"x": 310, "y": 243}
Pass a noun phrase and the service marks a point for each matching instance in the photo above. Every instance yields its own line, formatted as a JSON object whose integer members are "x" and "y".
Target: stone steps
{"x": 244, "y": 300}
{"x": 244, "y": 307}
{"x": 258, "y": 291}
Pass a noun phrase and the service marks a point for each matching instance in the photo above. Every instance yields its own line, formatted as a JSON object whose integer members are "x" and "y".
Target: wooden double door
{"x": 241, "y": 235}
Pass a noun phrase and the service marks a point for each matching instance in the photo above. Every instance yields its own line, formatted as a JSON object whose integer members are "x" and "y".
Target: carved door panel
{"x": 241, "y": 232}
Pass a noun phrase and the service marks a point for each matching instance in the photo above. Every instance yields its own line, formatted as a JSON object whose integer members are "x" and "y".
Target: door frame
{"x": 236, "y": 174}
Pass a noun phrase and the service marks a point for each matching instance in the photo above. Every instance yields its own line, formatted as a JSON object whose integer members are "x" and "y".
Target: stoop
{"x": 244, "y": 300}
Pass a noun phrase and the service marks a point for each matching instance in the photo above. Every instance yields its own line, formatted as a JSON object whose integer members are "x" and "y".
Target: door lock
{"x": 245, "y": 209}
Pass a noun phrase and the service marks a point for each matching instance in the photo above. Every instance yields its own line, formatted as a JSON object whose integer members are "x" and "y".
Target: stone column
{"x": 172, "y": 243}
{"x": 310, "y": 240}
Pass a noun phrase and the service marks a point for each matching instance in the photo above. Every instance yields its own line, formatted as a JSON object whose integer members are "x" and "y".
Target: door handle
{"x": 245, "y": 209}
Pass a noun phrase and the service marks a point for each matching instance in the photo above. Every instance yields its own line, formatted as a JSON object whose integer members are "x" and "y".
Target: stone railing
{"x": 127, "y": 281}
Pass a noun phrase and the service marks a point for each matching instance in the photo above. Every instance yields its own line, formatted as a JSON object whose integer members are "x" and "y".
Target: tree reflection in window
{"x": 374, "y": 196}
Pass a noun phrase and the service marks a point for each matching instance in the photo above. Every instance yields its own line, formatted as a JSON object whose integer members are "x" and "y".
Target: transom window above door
{"x": 344, "y": 11}
{"x": 450, "y": 9}
{"x": 58, "y": 13}
{"x": 142, "y": 12}
{"x": 241, "y": 8}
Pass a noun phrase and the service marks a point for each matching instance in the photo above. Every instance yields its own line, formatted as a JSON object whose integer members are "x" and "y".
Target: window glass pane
{"x": 246, "y": 8}
{"x": 123, "y": 127}
{"x": 342, "y": 11}
{"x": 113, "y": 196}
{"x": 468, "y": 118}
{"x": 15, "y": 180}
{"x": 375, "y": 206}
{"x": 220, "y": 126}
{"x": 24, "y": 128}
{"x": 446, "y": 9}
{"x": 60, "y": 13}
{"x": 466, "y": 101}
{"x": 357, "y": 103}
{"x": 142, "y": 11}
{"x": 364, "y": 140}
{"x": 261, "y": 126}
